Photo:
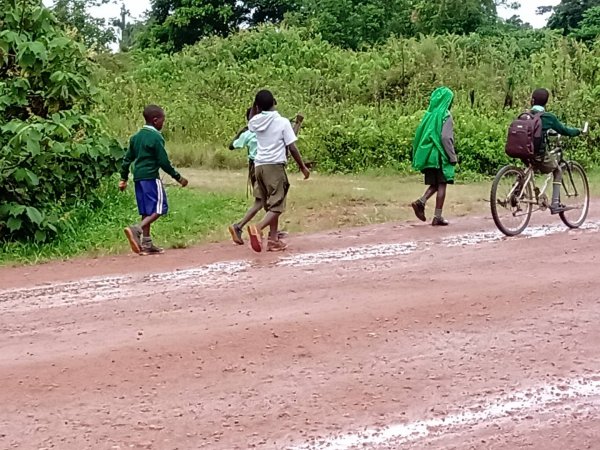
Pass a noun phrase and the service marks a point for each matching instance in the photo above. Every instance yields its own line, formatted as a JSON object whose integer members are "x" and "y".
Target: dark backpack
{"x": 525, "y": 136}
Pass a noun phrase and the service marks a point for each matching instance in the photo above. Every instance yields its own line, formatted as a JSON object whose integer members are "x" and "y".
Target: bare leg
{"x": 556, "y": 186}
{"x": 431, "y": 190}
{"x": 271, "y": 220}
{"x": 254, "y": 209}
{"x": 441, "y": 196}
{"x": 146, "y": 222}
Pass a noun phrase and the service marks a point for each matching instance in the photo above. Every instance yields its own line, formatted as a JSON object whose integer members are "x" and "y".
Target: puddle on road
{"x": 560, "y": 399}
{"x": 113, "y": 288}
{"x": 218, "y": 275}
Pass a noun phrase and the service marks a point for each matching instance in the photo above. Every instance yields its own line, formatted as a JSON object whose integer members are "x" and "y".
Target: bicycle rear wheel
{"x": 575, "y": 195}
{"x": 511, "y": 201}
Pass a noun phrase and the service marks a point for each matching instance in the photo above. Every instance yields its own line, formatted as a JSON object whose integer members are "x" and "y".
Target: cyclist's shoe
{"x": 419, "y": 209}
{"x": 440, "y": 222}
{"x": 559, "y": 208}
{"x": 236, "y": 234}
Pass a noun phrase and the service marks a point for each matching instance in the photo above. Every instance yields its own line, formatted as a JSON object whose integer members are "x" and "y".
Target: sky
{"x": 138, "y": 7}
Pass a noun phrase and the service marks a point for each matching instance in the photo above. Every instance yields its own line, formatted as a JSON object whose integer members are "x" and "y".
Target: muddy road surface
{"x": 388, "y": 337}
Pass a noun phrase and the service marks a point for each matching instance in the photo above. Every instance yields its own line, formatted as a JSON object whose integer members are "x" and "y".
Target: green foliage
{"x": 73, "y": 15}
{"x": 589, "y": 28}
{"x": 176, "y": 23}
{"x": 356, "y": 23}
{"x": 453, "y": 16}
{"x": 53, "y": 153}
{"x": 274, "y": 11}
{"x": 96, "y": 227}
{"x": 568, "y": 15}
{"x": 361, "y": 107}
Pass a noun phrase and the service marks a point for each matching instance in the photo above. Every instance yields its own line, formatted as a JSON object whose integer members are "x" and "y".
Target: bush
{"x": 53, "y": 153}
{"x": 361, "y": 107}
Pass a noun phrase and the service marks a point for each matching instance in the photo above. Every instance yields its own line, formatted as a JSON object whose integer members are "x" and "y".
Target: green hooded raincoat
{"x": 428, "y": 150}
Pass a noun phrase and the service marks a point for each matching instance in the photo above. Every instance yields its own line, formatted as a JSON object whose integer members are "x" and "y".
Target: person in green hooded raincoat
{"x": 434, "y": 154}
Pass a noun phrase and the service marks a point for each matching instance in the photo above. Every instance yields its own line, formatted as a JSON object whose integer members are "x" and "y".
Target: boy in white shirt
{"x": 275, "y": 136}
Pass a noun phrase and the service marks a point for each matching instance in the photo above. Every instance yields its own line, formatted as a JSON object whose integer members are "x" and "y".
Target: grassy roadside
{"x": 215, "y": 198}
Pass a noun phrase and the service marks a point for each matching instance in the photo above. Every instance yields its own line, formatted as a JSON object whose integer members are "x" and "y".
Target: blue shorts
{"x": 151, "y": 197}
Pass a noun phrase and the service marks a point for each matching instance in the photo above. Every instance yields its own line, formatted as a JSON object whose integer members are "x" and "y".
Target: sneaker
{"x": 134, "y": 236}
{"x": 148, "y": 248}
{"x": 282, "y": 234}
{"x": 255, "y": 238}
{"x": 440, "y": 222}
{"x": 559, "y": 208}
{"x": 419, "y": 209}
{"x": 236, "y": 234}
{"x": 276, "y": 246}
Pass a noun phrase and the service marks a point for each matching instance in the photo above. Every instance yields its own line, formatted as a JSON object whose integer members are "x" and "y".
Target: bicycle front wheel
{"x": 575, "y": 195}
{"x": 511, "y": 201}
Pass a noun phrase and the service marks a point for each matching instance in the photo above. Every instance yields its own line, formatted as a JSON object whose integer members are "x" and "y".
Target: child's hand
{"x": 306, "y": 173}
{"x": 183, "y": 182}
{"x": 122, "y": 185}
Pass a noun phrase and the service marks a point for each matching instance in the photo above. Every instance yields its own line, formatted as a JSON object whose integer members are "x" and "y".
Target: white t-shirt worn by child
{"x": 274, "y": 133}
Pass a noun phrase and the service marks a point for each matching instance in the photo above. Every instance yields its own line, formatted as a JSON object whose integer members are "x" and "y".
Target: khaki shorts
{"x": 547, "y": 164}
{"x": 272, "y": 187}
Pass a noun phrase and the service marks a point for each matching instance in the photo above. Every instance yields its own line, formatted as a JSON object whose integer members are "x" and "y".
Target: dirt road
{"x": 390, "y": 337}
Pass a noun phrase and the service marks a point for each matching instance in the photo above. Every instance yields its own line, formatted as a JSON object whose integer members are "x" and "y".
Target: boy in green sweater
{"x": 147, "y": 154}
{"x": 547, "y": 162}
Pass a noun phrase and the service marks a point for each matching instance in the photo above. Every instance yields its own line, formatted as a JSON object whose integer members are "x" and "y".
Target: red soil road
{"x": 279, "y": 356}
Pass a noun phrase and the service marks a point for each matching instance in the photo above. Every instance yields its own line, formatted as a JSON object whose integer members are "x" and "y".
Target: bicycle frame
{"x": 530, "y": 178}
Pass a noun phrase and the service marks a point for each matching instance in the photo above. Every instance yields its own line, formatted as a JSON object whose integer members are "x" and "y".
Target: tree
{"x": 128, "y": 31}
{"x": 355, "y": 23}
{"x": 589, "y": 27}
{"x": 454, "y": 16}
{"x": 174, "y": 24}
{"x": 274, "y": 11}
{"x": 54, "y": 152}
{"x": 92, "y": 31}
{"x": 568, "y": 15}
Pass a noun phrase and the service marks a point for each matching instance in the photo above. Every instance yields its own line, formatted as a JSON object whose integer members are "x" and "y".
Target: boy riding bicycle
{"x": 546, "y": 162}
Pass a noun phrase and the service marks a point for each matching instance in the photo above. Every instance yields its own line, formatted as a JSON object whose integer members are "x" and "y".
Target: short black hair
{"x": 264, "y": 101}
{"x": 540, "y": 97}
{"x": 248, "y": 113}
{"x": 152, "y": 112}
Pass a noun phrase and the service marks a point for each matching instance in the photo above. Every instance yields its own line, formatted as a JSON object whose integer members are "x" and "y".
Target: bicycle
{"x": 514, "y": 193}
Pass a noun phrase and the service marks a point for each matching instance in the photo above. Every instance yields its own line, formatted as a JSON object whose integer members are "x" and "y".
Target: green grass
{"x": 216, "y": 198}
{"x": 195, "y": 217}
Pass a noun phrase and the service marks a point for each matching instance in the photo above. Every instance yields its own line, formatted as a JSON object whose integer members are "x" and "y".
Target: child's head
{"x": 540, "y": 97}
{"x": 264, "y": 101}
{"x": 154, "y": 116}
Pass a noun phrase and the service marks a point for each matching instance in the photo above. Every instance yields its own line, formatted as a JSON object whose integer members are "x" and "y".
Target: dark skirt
{"x": 433, "y": 177}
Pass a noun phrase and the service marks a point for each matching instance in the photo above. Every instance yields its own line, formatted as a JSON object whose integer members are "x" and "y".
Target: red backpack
{"x": 525, "y": 136}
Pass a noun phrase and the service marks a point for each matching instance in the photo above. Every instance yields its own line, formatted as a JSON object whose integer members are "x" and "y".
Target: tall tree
{"x": 589, "y": 27}
{"x": 261, "y": 11}
{"x": 354, "y": 23}
{"x": 92, "y": 31}
{"x": 454, "y": 16}
{"x": 568, "y": 14}
{"x": 176, "y": 23}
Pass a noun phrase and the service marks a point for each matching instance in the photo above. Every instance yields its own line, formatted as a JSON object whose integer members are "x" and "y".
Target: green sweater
{"x": 551, "y": 122}
{"x": 147, "y": 154}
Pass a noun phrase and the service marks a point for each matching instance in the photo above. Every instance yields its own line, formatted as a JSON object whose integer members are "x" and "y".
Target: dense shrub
{"x": 53, "y": 153}
{"x": 362, "y": 107}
